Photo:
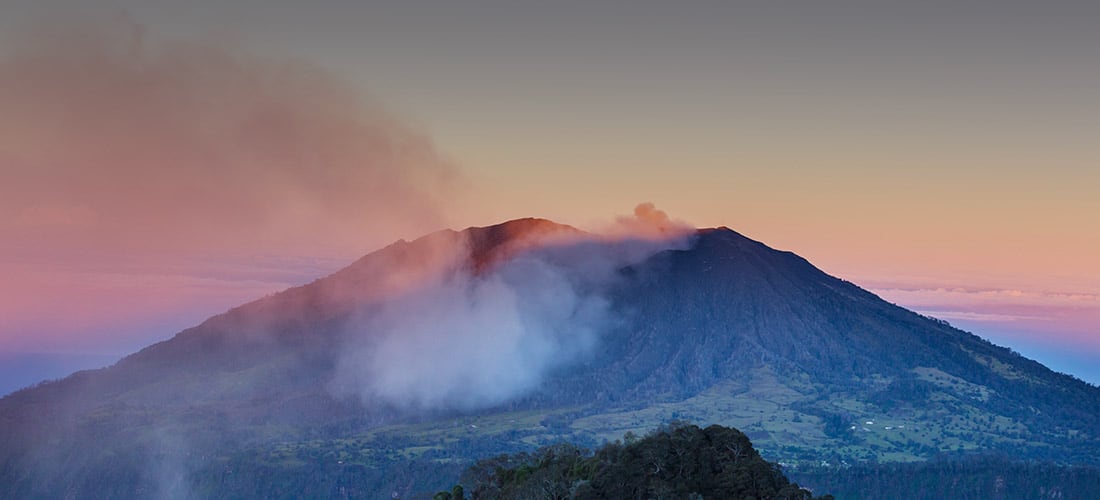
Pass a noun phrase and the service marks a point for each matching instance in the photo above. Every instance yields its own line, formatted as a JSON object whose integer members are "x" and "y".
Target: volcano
{"x": 280, "y": 396}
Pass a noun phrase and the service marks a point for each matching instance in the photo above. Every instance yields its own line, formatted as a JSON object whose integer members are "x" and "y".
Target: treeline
{"x": 994, "y": 478}
{"x": 677, "y": 461}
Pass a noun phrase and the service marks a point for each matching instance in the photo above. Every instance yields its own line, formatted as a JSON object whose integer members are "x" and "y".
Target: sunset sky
{"x": 162, "y": 161}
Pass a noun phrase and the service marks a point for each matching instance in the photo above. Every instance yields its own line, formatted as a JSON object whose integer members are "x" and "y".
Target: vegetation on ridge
{"x": 676, "y": 461}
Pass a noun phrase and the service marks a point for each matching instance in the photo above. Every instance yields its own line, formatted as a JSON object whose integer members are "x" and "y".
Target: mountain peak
{"x": 490, "y": 244}
{"x": 519, "y": 229}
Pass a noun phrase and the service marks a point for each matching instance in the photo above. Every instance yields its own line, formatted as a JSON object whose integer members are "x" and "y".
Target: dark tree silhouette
{"x": 677, "y": 461}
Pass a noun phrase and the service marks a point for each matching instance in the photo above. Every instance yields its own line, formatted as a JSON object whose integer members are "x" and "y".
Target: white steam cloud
{"x": 473, "y": 341}
{"x": 466, "y": 340}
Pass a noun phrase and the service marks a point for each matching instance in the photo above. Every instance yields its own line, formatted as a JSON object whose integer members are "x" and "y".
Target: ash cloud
{"x": 464, "y": 339}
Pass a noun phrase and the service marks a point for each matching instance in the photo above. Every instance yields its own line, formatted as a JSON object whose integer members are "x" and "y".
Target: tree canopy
{"x": 675, "y": 461}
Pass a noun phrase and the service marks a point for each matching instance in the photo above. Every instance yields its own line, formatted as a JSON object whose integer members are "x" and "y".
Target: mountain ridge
{"x": 716, "y": 328}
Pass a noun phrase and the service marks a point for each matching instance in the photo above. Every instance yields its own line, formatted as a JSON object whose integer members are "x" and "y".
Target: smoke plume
{"x": 123, "y": 154}
{"x": 115, "y": 140}
{"x": 648, "y": 222}
{"x": 468, "y": 339}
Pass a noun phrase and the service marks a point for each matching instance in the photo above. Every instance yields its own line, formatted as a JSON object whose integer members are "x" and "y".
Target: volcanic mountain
{"x": 402, "y": 366}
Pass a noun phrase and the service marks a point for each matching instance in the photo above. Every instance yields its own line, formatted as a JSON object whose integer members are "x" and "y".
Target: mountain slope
{"x": 734, "y": 315}
{"x": 721, "y": 330}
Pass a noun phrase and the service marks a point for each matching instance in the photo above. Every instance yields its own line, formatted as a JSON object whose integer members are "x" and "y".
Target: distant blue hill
{"x": 24, "y": 369}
